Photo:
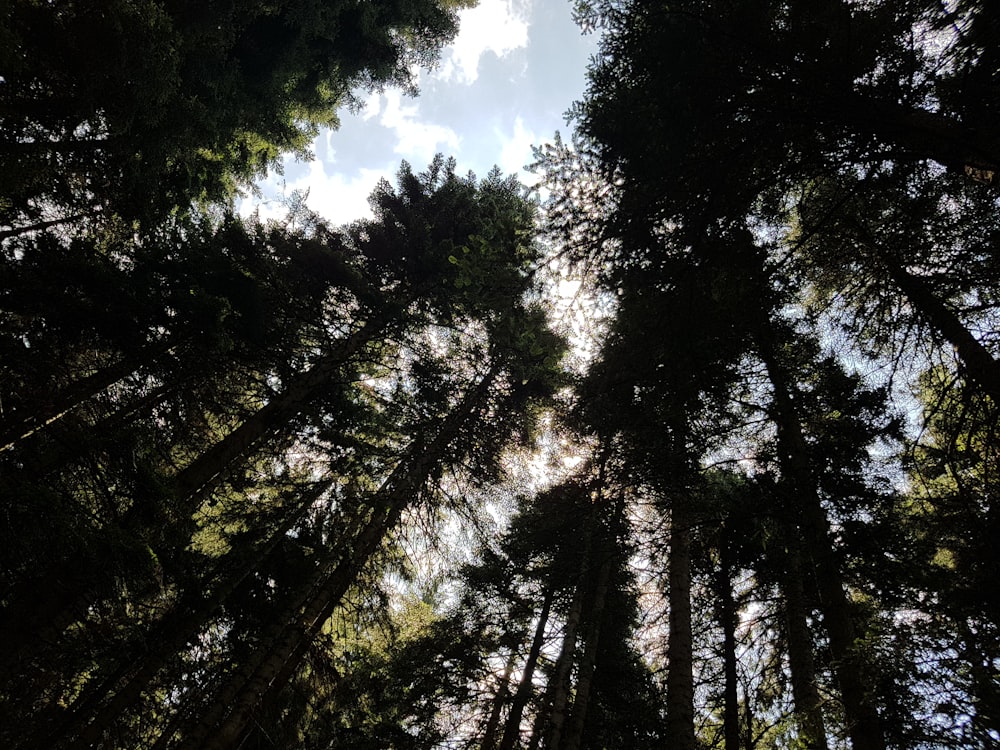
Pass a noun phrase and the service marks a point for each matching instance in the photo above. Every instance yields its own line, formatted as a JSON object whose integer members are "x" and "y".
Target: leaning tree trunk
{"x": 223, "y": 723}
{"x": 16, "y": 427}
{"x": 98, "y": 708}
{"x": 980, "y": 365}
{"x": 525, "y": 689}
{"x": 925, "y": 134}
{"x": 41, "y": 226}
{"x": 194, "y": 481}
{"x": 499, "y": 701}
{"x": 860, "y": 711}
{"x": 564, "y": 662}
{"x": 199, "y": 477}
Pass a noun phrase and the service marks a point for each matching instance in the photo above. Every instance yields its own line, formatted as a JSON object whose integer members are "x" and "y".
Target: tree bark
{"x": 980, "y": 365}
{"x": 525, "y": 689}
{"x": 860, "y": 712}
{"x": 40, "y": 226}
{"x": 15, "y": 428}
{"x": 728, "y": 620}
{"x": 805, "y": 693}
{"x": 98, "y": 708}
{"x": 585, "y": 678}
{"x": 926, "y": 134}
{"x": 202, "y": 475}
{"x": 680, "y": 676}
{"x": 223, "y": 723}
{"x": 564, "y": 665}
{"x": 499, "y": 701}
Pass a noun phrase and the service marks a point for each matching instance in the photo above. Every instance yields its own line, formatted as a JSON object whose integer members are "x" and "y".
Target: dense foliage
{"x": 248, "y": 469}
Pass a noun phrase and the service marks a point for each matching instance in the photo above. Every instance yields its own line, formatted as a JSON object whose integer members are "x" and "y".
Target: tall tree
{"x": 193, "y": 99}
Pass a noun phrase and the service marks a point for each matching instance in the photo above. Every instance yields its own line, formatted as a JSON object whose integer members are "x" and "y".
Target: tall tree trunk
{"x": 859, "y": 709}
{"x": 728, "y": 620}
{"x": 564, "y": 664}
{"x": 223, "y": 723}
{"x": 199, "y": 477}
{"x": 926, "y": 134}
{"x": 499, "y": 701}
{"x": 40, "y": 226}
{"x": 680, "y": 675}
{"x": 98, "y": 708}
{"x": 525, "y": 689}
{"x": 81, "y": 584}
{"x": 805, "y": 693}
{"x": 980, "y": 365}
{"x": 588, "y": 665}
{"x": 17, "y": 427}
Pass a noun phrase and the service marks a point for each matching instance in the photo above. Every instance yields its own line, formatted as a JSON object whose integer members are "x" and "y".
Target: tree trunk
{"x": 499, "y": 701}
{"x": 805, "y": 693}
{"x": 859, "y": 709}
{"x": 207, "y": 470}
{"x": 97, "y": 709}
{"x": 40, "y": 226}
{"x": 728, "y": 618}
{"x": 927, "y": 135}
{"x": 16, "y": 428}
{"x": 564, "y": 665}
{"x": 980, "y": 366}
{"x": 680, "y": 676}
{"x": 525, "y": 689}
{"x": 226, "y": 718}
{"x": 588, "y": 664}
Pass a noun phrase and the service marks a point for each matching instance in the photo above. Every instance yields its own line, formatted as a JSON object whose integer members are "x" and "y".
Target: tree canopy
{"x": 260, "y": 479}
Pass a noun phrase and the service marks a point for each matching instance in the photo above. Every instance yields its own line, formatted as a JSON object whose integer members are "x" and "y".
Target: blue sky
{"x": 504, "y": 84}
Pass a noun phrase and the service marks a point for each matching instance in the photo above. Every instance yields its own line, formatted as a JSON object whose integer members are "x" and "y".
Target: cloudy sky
{"x": 503, "y": 85}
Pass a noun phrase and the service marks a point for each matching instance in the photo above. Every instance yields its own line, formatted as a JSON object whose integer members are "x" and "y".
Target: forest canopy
{"x": 260, "y": 479}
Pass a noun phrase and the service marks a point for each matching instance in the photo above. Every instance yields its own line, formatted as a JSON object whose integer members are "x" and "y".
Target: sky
{"x": 504, "y": 84}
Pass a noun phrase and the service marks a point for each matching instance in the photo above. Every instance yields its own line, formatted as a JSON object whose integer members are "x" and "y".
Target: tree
{"x": 194, "y": 99}
{"x": 385, "y": 371}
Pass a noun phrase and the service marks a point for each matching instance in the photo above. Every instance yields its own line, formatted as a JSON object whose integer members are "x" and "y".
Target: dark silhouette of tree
{"x": 136, "y": 109}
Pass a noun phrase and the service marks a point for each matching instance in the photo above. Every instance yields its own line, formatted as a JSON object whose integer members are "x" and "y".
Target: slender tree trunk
{"x": 926, "y": 134}
{"x": 805, "y": 693}
{"x": 97, "y": 709}
{"x": 540, "y": 722}
{"x": 585, "y": 678}
{"x": 40, "y": 226}
{"x": 728, "y": 618}
{"x": 78, "y": 584}
{"x": 680, "y": 675}
{"x": 82, "y": 584}
{"x": 525, "y": 689}
{"x": 16, "y": 427}
{"x": 564, "y": 665}
{"x": 980, "y": 365}
{"x": 207, "y": 470}
{"x": 499, "y": 701}
{"x": 859, "y": 709}
{"x": 224, "y": 721}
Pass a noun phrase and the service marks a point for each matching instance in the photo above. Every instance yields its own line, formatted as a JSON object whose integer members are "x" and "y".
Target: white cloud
{"x": 492, "y": 25}
{"x": 416, "y": 141}
{"x": 336, "y": 198}
{"x": 373, "y": 106}
{"x": 516, "y": 151}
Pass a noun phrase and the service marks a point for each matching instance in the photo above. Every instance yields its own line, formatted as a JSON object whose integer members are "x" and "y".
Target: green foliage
{"x": 156, "y": 104}
{"x": 256, "y": 410}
